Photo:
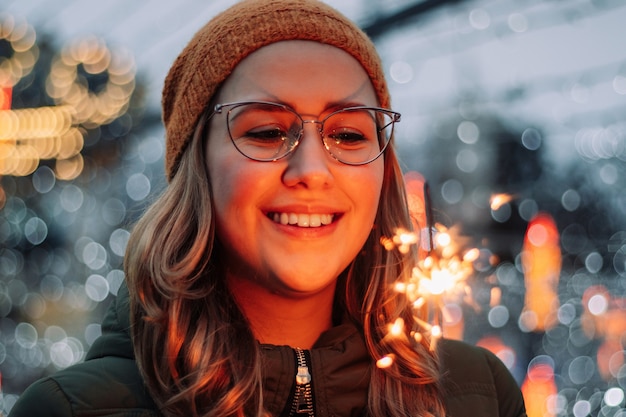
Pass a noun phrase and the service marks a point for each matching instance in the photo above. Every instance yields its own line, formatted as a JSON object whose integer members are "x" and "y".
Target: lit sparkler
{"x": 438, "y": 278}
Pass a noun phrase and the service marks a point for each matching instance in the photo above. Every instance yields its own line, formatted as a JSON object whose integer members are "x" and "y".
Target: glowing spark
{"x": 440, "y": 282}
{"x": 436, "y": 334}
{"x": 384, "y": 362}
{"x": 419, "y": 303}
{"x": 443, "y": 239}
{"x": 397, "y": 328}
{"x": 436, "y": 280}
{"x": 387, "y": 243}
{"x": 406, "y": 238}
{"x": 402, "y": 240}
{"x": 471, "y": 255}
{"x": 498, "y": 200}
{"x": 436, "y": 331}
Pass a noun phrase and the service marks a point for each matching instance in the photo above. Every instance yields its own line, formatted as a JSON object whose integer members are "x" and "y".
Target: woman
{"x": 257, "y": 283}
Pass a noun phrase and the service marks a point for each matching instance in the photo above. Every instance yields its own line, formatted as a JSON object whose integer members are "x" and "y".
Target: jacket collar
{"x": 340, "y": 363}
{"x": 340, "y": 370}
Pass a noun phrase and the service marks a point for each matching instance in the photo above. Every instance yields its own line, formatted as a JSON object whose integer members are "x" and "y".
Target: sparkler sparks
{"x": 402, "y": 240}
{"x": 498, "y": 200}
{"x": 438, "y": 285}
{"x": 437, "y": 279}
{"x": 440, "y": 274}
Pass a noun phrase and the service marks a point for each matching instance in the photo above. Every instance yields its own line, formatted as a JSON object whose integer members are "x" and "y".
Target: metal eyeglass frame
{"x": 395, "y": 117}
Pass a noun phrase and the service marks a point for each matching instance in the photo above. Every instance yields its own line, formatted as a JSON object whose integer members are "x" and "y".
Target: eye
{"x": 351, "y": 128}
{"x": 347, "y": 137}
{"x": 256, "y": 125}
{"x": 266, "y": 134}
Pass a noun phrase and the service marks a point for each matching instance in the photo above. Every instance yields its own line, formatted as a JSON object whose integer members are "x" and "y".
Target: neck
{"x": 283, "y": 319}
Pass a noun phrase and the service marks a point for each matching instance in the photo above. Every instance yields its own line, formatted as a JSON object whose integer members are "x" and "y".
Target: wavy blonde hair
{"x": 182, "y": 311}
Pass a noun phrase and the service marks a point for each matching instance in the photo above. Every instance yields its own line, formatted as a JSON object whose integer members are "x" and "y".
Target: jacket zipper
{"x": 303, "y": 397}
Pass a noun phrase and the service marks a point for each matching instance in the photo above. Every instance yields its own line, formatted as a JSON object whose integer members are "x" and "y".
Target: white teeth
{"x": 303, "y": 220}
{"x": 315, "y": 220}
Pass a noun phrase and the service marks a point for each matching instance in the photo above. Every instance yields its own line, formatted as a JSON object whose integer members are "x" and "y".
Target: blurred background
{"x": 513, "y": 112}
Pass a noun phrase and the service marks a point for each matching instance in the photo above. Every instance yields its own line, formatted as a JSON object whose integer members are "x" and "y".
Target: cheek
{"x": 227, "y": 184}
{"x": 236, "y": 186}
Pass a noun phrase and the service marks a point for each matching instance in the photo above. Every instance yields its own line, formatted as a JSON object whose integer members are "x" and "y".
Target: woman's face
{"x": 330, "y": 207}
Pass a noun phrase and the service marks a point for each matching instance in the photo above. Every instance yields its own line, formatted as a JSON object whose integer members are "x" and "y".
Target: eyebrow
{"x": 334, "y": 106}
{"x": 265, "y": 107}
{"x": 329, "y": 108}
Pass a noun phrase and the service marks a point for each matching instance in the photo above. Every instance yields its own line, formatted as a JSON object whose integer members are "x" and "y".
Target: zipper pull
{"x": 303, "y": 376}
{"x": 303, "y": 397}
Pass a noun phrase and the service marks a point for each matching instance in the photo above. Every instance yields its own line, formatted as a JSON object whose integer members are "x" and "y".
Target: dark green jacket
{"x": 108, "y": 383}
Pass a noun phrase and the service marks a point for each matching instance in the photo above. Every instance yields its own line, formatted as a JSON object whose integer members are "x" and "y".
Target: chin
{"x": 305, "y": 288}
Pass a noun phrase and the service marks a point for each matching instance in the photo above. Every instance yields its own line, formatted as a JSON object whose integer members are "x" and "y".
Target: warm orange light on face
{"x": 541, "y": 261}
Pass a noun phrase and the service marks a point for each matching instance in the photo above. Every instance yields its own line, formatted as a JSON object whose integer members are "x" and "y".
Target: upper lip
{"x": 303, "y": 209}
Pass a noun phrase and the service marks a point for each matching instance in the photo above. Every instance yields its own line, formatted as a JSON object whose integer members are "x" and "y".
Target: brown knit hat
{"x": 228, "y": 38}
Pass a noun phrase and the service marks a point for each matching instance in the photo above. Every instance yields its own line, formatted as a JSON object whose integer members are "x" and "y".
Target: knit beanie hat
{"x": 228, "y": 38}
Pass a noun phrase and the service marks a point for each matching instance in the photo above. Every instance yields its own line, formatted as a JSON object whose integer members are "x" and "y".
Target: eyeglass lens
{"x": 267, "y": 132}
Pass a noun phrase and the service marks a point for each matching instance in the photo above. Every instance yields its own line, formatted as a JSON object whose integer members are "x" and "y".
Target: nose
{"x": 309, "y": 164}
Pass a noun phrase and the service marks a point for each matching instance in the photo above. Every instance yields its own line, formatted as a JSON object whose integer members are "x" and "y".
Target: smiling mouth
{"x": 302, "y": 219}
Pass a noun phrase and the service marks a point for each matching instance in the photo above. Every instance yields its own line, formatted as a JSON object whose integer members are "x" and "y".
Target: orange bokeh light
{"x": 6, "y": 94}
{"x": 541, "y": 261}
{"x": 538, "y": 389}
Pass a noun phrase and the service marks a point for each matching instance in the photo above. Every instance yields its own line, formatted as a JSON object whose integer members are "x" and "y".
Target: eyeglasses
{"x": 265, "y": 131}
